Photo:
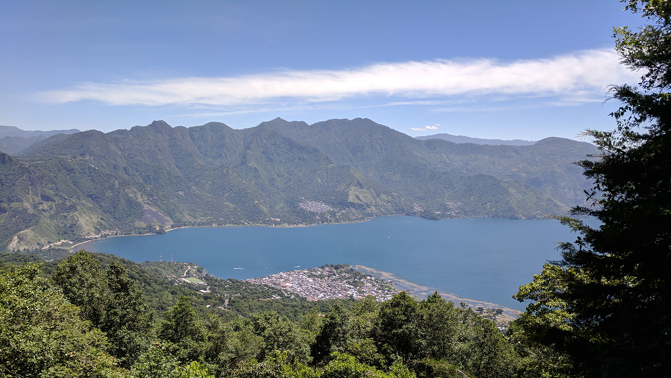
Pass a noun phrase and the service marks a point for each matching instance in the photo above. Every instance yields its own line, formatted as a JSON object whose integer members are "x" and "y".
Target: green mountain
{"x": 147, "y": 179}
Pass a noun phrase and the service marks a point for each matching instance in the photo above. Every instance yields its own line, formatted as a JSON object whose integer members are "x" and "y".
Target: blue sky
{"x": 489, "y": 69}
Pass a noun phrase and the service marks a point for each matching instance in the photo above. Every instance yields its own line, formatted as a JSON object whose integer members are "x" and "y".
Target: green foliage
{"x": 367, "y": 338}
{"x": 280, "y": 334}
{"x": 440, "y": 322}
{"x": 429, "y": 368}
{"x": 275, "y": 366}
{"x": 536, "y": 359}
{"x": 398, "y": 331}
{"x": 128, "y": 322}
{"x": 9, "y": 259}
{"x": 181, "y": 326}
{"x": 402, "y": 330}
{"x": 605, "y": 306}
{"x": 346, "y": 366}
{"x": 181, "y": 323}
{"x": 334, "y": 335}
{"x": 109, "y": 300}
{"x": 230, "y": 345}
{"x": 311, "y": 323}
{"x": 79, "y": 277}
{"x": 157, "y": 361}
{"x": 194, "y": 370}
{"x": 481, "y": 349}
{"x": 42, "y": 335}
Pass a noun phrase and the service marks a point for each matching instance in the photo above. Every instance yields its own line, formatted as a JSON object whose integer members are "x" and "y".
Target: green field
{"x": 194, "y": 280}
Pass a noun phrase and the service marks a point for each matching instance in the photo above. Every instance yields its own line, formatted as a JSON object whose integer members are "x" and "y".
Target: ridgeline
{"x": 88, "y": 185}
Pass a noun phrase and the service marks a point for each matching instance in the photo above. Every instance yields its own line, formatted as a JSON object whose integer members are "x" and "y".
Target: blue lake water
{"x": 485, "y": 259}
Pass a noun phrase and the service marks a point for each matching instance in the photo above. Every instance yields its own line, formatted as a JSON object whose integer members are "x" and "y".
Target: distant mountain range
{"x": 14, "y": 140}
{"x": 465, "y": 139}
{"x": 91, "y": 184}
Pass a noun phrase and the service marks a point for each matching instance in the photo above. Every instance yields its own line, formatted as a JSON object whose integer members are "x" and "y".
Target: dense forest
{"x": 100, "y": 315}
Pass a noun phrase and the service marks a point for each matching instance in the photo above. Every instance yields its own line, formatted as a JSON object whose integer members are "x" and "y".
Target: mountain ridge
{"x": 14, "y": 140}
{"x": 278, "y": 173}
{"x": 465, "y": 139}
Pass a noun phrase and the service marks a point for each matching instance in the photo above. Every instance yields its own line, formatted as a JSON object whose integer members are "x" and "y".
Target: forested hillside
{"x": 148, "y": 179}
{"x": 100, "y": 315}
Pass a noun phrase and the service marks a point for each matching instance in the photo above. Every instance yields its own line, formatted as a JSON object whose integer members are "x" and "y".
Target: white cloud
{"x": 426, "y": 128}
{"x": 584, "y": 72}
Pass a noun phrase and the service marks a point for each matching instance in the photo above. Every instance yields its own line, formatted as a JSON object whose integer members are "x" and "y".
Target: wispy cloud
{"x": 426, "y": 128}
{"x": 584, "y": 72}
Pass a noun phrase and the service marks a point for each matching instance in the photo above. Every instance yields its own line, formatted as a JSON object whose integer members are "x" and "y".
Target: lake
{"x": 485, "y": 259}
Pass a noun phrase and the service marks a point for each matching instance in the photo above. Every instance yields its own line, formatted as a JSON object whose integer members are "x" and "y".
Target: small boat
{"x": 238, "y": 268}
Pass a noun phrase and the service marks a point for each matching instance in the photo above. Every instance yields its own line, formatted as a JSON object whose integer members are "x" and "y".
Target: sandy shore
{"x": 82, "y": 245}
{"x": 422, "y": 292}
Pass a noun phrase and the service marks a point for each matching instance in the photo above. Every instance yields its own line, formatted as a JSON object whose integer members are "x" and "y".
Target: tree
{"x": 483, "y": 351}
{"x": 110, "y": 300}
{"x": 128, "y": 322}
{"x": 79, "y": 278}
{"x": 334, "y": 335}
{"x": 42, "y": 334}
{"x": 276, "y": 365}
{"x": 346, "y": 366}
{"x": 398, "y": 330}
{"x": 230, "y": 345}
{"x": 606, "y": 304}
{"x": 280, "y": 334}
{"x": 440, "y": 322}
{"x": 181, "y": 326}
{"x": 157, "y": 361}
{"x": 181, "y": 323}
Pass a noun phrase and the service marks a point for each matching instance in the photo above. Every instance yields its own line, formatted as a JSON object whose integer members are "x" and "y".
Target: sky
{"x": 485, "y": 69}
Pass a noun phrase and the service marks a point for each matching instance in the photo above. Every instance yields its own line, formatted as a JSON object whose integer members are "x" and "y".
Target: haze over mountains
{"x": 14, "y": 140}
{"x": 91, "y": 184}
{"x": 465, "y": 139}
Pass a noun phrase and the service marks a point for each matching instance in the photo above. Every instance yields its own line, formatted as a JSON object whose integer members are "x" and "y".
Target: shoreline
{"x": 422, "y": 292}
{"x": 80, "y": 244}
{"x": 72, "y": 249}
{"x": 416, "y": 290}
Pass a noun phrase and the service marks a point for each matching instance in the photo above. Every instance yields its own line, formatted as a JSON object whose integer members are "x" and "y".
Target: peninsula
{"x": 357, "y": 282}
{"x": 329, "y": 282}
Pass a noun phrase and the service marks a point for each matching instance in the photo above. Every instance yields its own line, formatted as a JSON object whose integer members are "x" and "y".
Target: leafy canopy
{"x": 606, "y": 304}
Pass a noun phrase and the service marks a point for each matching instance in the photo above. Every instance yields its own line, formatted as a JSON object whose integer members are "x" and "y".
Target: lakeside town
{"x": 329, "y": 282}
